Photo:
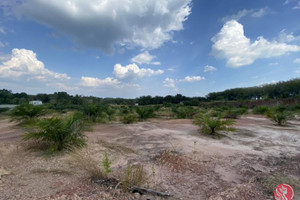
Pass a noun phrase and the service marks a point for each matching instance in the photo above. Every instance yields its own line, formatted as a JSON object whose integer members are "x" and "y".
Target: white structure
{"x": 36, "y": 103}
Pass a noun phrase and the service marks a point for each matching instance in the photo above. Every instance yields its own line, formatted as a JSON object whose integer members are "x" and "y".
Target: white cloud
{"x": 24, "y": 63}
{"x": 287, "y": 37}
{"x": 96, "y": 82}
{"x": 171, "y": 69}
{"x": 297, "y": 6}
{"x": 273, "y": 64}
{"x": 231, "y": 43}
{"x": 2, "y": 30}
{"x": 209, "y": 68}
{"x": 145, "y": 58}
{"x": 132, "y": 72}
{"x": 169, "y": 82}
{"x": 256, "y": 13}
{"x": 192, "y": 79}
{"x": 261, "y": 12}
{"x": 103, "y": 23}
{"x": 297, "y": 61}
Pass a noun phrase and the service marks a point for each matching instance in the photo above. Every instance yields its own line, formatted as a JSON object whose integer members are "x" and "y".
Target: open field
{"x": 178, "y": 159}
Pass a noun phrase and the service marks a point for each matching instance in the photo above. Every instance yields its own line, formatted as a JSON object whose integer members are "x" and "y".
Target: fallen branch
{"x": 142, "y": 190}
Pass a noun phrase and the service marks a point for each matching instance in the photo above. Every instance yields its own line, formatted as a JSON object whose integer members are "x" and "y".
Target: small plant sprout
{"x": 195, "y": 143}
{"x": 106, "y": 164}
{"x": 153, "y": 171}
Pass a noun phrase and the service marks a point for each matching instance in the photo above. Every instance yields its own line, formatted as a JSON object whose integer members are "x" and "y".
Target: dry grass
{"x": 115, "y": 147}
{"x": 270, "y": 182}
{"x": 81, "y": 160}
{"x": 133, "y": 176}
{"x": 51, "y": 171}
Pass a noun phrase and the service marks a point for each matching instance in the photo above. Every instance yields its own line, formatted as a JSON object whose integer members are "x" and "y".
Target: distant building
{"x": 36, "y": 103}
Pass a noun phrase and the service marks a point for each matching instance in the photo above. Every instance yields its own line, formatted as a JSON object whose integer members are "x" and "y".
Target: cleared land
{"x": 179, "y": 160}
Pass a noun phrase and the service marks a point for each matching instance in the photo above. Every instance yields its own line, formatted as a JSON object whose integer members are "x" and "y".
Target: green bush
{"x": 27, "y": 111}
{"x": 279, "y": 116}
{"x": 145, "y": 112}
{"x": 130, "y": 118}
{"x": 59, "y": 133}
{"x": 261, "y": 110}
{"x": 183, "y": 112}
{"x": 211, "y": 125}
{"x": 2, "y": 110}
{"x": 234, "y": 113}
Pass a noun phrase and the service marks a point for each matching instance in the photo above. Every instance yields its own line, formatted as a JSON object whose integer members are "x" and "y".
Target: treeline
{"x": 280, "y": 90}
{"x": 58, "y": 99}
{"x": 63, "y": 99}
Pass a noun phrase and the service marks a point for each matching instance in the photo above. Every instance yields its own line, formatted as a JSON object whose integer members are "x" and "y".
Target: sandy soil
{"x": 179, "y": 161}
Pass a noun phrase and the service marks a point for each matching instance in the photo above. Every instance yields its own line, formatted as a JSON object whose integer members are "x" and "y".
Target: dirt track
{"x": 181, "y": 161}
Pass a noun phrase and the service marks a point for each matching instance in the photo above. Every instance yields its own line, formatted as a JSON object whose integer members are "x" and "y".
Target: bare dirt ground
{"x": 179, "y": 160}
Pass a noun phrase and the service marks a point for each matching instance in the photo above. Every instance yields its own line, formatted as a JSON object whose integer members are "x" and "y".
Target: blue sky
{"x": 130, "y": 48}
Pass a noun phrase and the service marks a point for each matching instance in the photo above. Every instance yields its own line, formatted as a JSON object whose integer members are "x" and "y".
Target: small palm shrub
{"x": 129, "y": 118}
{"x": 145, "y": 112}
{"x": 211, "y": 125}
{"x": 110, "y": 111}
{"x": 106, "y": 163}
{"x": 280, "y": 117}
{"x": 27, "y": 111}
{"x": 234, "y": 113}
{"x": 59, "y": 133}
{"x": 183, "y": 112}
{"x": 261, "y": 110}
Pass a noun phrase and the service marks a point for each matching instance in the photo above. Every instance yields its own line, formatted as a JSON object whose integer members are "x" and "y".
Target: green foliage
{"x": 27, "y": 111}
{"x": 183, "y": 112}
{"x": 287, "y": 89}
{"x": 261, "y": 110}
{"x": 59, "y": 133}
{"x": 211, "y": 125}
{"x": 129, "y": 118}
{"x": 279, "y": 116}
{"x": 106, "y": 163}
{"x": 145, "y": 112}
{"x": 234, "y": 113}
{"x": 2, "y": 110}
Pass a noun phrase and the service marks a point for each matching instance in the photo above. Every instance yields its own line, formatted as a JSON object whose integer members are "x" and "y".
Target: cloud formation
{"x": 24, "y": 63}
{"x": 102, "y": 23}
{"x": 256, "y": 13}
{"x": 297, "y": 61}
{"x": 169, "y": 82}
{"x": 209, "y": 68}
{"x": 133, "y": 72}
{"x": 145, "y": 58}
{"x": 232, "y": 44}
{"x": 96, "y": 82}
{"x": 192, "y": 79}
